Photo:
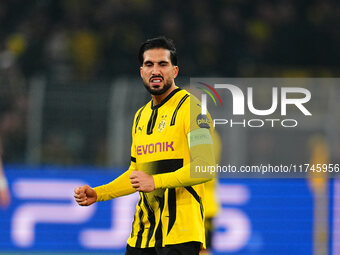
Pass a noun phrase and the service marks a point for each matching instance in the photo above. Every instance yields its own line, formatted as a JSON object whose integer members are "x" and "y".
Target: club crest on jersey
{"x": 162, "y": 124}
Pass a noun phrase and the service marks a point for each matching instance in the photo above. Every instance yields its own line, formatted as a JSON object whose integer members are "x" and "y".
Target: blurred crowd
{"x": 88, "y": 39}
{"x": 83, "y": 40}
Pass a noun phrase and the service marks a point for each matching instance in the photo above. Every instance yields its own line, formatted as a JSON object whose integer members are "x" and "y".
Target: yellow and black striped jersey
{"x": 173, "y": 213}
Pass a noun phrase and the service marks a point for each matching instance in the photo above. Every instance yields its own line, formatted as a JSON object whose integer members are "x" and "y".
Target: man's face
{"x": 157, "y": 72}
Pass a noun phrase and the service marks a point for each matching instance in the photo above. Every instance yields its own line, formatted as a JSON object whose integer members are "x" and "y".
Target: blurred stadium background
{"x": 69, "y": 88}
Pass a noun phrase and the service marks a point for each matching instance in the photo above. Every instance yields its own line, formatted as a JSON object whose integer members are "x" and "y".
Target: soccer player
{"x": 5, "y": 197}
{"x": 211, "y": 202}
{"x": 166, "y": 141}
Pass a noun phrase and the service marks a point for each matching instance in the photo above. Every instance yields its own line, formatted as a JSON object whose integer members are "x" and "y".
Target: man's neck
{"x": 159, "y": 98}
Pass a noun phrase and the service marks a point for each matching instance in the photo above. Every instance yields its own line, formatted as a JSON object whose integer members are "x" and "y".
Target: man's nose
{"x": 156, "y": 70}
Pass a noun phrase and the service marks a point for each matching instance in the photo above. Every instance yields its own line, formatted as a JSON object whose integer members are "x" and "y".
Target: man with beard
{"x": 169, "y": 216}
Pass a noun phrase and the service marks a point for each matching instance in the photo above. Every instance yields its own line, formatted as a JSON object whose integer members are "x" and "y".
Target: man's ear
{"x": 176, "y": 70}
{"x": 141, "y": 71}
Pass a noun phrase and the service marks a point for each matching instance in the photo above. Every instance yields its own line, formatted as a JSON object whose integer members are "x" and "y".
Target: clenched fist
{"x": 142, "y": 181}
{"x": 85, "y": 195}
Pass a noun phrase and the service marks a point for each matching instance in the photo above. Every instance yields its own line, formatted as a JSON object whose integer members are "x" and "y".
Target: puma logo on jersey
{"x": 154, "y": 148}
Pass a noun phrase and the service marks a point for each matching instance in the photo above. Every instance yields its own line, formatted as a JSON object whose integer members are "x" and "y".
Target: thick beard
{"x": 166, "y": 87}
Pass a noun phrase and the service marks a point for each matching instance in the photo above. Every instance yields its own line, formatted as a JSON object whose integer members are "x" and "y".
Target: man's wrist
{"x": 157, "y": 181}
{"x": 96, "y": 190}
{"x": 3, "y": 183}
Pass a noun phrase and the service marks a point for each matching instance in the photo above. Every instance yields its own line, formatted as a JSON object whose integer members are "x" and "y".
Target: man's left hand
{"x": 142, "y": 181}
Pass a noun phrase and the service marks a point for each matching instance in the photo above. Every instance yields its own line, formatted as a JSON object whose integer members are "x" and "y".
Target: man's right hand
{"x": 85, "y": 195}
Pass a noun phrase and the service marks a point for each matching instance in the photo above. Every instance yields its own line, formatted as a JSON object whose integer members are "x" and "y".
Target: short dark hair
{"x": 160, "y": 42}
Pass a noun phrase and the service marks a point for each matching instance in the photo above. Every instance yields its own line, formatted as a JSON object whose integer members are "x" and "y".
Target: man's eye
{"x": 148, "y": 64}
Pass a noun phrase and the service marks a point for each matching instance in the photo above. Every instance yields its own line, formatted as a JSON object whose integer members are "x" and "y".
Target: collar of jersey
{"x": 165, "y": 99}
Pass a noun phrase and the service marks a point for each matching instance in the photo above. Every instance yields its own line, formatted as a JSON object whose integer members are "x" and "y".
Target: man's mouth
{"x": 155, "y": 82}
